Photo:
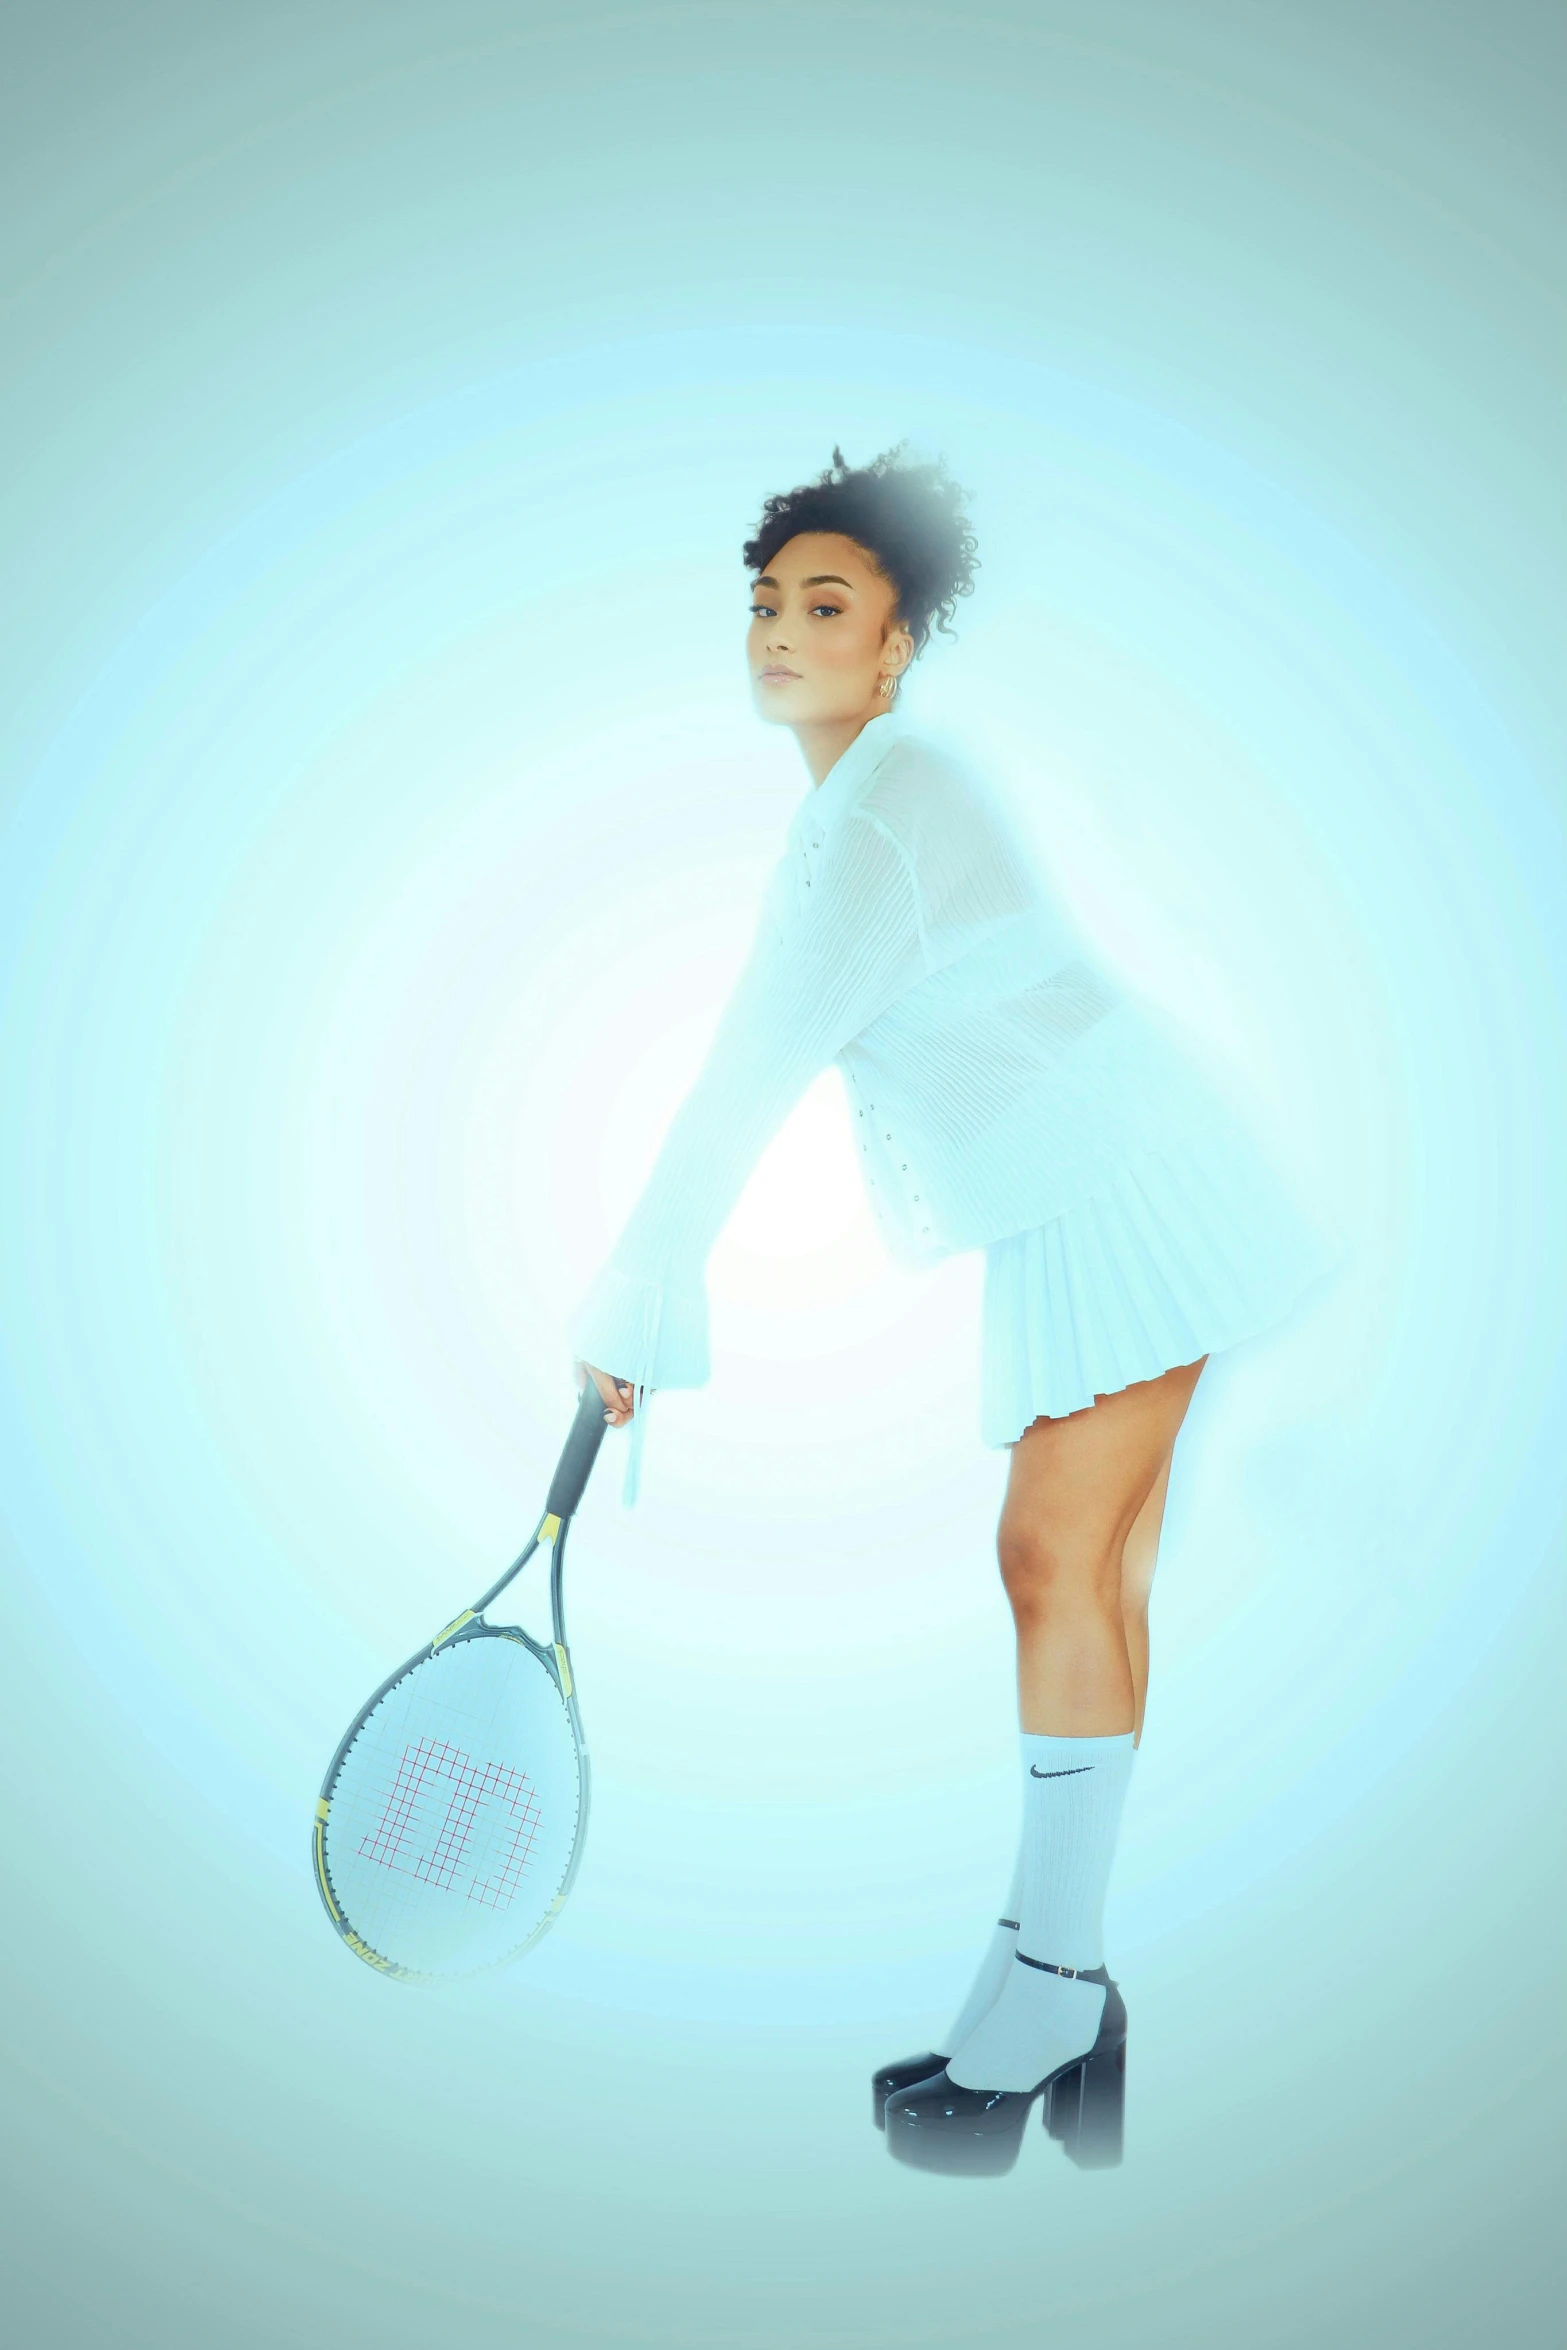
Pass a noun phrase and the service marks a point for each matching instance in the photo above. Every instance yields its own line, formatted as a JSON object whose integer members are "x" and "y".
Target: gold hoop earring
{"x": 887, "y": 688}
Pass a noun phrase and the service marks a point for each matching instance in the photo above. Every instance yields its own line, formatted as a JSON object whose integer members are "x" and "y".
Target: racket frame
{"x": 471, "y": 1625}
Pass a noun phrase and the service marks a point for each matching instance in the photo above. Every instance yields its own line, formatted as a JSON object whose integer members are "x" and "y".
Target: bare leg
{"x": 1075, "y": 1491}
{"x": 1139, "y": 1557}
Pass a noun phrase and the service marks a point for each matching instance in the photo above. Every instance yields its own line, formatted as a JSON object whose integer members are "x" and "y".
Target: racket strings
{"x": 453, "y": 1817}
{"x": 473, "y": 1785}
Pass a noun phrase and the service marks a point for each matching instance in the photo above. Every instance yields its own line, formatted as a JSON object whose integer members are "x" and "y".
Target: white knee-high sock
{"x": 1074, "y": 1790}
{"x": 994, "y": 1967}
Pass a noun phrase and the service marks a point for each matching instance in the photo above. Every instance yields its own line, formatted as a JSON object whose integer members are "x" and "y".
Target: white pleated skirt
{"x": 1183, "y": 1251}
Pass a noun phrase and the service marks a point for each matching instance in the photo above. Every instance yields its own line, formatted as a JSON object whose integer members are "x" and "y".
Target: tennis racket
{"x": 449, "y": 1826}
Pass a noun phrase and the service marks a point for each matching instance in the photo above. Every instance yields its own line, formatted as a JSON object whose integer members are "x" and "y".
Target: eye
{"x": 764, "y": 611}
{"x": 826, "y": 607}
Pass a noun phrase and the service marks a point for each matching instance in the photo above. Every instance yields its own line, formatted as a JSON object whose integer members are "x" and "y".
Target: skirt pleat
{"x": 1179, "y": 1253}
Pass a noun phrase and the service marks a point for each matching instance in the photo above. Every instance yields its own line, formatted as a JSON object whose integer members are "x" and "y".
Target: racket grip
{"x": 581, "y": 1450}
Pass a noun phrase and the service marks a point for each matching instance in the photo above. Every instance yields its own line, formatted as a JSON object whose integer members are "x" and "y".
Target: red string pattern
{"x": 472, "y": 1785}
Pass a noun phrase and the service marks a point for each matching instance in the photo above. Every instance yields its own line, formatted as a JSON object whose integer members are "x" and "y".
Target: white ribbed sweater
{"x": 997, "y": 1074}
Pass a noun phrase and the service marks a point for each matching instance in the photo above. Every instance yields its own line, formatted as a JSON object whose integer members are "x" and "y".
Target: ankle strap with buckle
{"x": 1047, "y": 1967}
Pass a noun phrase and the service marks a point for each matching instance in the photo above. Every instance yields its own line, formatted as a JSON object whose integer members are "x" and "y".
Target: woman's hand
{"x": 617, "y": 1393}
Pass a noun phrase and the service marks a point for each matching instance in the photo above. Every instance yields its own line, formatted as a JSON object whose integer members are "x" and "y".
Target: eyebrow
{"x": 817, "y": 579}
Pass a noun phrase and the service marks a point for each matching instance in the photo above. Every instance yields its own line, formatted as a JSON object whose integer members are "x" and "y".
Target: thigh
{"x": 1085, "y": 1477}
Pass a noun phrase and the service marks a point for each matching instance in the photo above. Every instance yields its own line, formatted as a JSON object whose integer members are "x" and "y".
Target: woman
{"x": 1007, "y": 1095}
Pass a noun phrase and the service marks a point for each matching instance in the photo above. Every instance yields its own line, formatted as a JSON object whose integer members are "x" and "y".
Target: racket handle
{"x": 575, "y": 1465}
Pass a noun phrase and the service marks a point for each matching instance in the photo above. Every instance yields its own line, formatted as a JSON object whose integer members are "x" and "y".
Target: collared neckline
{"x": 860, "y": 759}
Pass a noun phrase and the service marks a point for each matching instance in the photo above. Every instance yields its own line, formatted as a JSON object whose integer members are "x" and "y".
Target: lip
{"x": 776, "y": 675}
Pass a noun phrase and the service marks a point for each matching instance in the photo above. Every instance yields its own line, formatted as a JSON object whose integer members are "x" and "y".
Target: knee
{"x": 1054, "y": 1569}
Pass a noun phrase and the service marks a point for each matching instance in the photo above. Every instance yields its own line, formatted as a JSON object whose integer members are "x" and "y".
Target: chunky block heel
{"x": 1086, "y": 2108}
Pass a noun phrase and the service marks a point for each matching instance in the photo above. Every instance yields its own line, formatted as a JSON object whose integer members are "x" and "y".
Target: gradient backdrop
{"x": 387, "y": 392}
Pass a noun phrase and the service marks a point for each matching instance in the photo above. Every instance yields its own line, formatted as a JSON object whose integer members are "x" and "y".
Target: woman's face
{"x": 824, "y": 631}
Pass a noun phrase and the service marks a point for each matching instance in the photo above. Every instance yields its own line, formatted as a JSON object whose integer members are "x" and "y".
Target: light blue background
{"x": 388, "y": 391}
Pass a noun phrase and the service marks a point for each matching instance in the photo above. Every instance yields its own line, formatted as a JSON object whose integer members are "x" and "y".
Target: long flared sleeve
{"x": 828, "y": 958}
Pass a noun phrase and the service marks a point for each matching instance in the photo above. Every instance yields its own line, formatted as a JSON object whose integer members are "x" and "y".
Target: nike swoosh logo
{"x": 1075, "y": 1772}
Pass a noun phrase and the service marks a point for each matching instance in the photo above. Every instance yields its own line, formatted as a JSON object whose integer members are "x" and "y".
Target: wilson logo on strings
{"x": 457, "y": 1825}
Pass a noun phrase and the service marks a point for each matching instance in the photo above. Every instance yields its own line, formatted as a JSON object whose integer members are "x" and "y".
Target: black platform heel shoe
{"x": 910, "y": 2069}
{"x": 939, "y": 2124}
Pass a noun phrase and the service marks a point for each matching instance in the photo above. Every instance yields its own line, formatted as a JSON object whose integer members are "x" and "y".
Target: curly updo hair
{"x": 909, "y": 519}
